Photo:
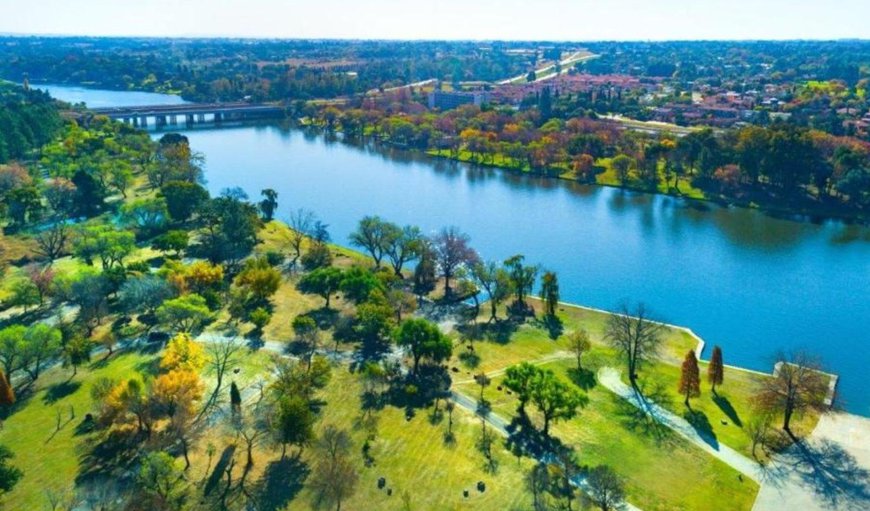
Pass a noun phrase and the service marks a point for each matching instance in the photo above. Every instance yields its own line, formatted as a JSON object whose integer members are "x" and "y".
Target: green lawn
{"x": 48, "y": 456}
{"x": 662, "y": 470}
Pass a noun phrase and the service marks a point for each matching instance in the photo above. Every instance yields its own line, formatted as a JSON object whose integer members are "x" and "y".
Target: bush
{"x": 318, "y": 256}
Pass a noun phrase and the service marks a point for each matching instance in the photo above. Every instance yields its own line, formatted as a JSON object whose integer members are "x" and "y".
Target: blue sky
{"x": 445, "y": 19}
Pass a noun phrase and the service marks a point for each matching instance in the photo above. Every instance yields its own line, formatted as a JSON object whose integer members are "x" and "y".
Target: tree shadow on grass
{"x": 59, "y": 391}
{"x": 583, "y": 378}
{"x": 831, "y": 472}
{"x": 220, "y": 467}
{"x": 725, "y": 405}
{"x": 524, "y": 438}
{"x": 281, "y": 482}
{"x": 110, "y": 455}
{"x": 552, "y": 324}
{"x": 699, "y": 421}
{"x": 499, "y": 331}
{"x": 644, "y": 418}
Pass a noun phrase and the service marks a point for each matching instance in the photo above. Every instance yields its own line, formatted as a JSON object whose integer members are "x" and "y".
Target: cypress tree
{"x": 716, "y": 370}
{"x": 235, "y": 398}
{"x": 690, "y": 379}
{"x": 7, "y": 395}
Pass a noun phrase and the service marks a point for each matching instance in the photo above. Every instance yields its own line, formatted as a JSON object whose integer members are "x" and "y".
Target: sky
{"x": 562, "y": 20}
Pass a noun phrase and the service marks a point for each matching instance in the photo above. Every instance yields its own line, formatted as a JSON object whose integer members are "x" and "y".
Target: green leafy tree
{"x": 292, "y": 422}
{"x": 322, "y": 281}
{"x": 579, "y": 344}
{"x": 518, "y": 379}
{"x": 162, "y": 480}
{"x": 184, "y": 314}
{"x": 105, "y": 243}
{"x": 357, "y": 284}
{"x": 147, "y": 215}
{"x": 171, "y": 241}
{"x": 621, "y": 165}
{"x": 424, "y": 273}
{"x": 425, "y": 340}
{"x": 495, "y": 281}
{"x": 554, "y": 399}
{"x": 77, "y": 352}
{"x": 41, "y": 344}
{"x": 183, "y": 199}
{"x": 402, "y": 245}
{"x": 371, "y": 235}
{"x": 522, "y": 277}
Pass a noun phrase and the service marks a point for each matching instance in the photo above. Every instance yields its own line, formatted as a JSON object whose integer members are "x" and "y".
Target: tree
{"x": 634, "y": 335}
{"x": 76, "y": 352}
{"x": 322, "y": 281}
{"x": 554, "y": 399}
{"x": 184, "y": 314}
{"x": 550, "y": 293}
{"x": 522, "y": 277}
{"x": 605, "y": 488}
{"x": 301, "y": 223}
{"x": 292, "y": 422}
{"x": 334, "y": 477}
{"x": 42, "y": 280}
{"x": 230, "y": 228}
{"x": 175, "y": 395}
{"x": 424, "y": 339}
{"x": 89, "y": 290}
{"x": 52, "y": 242}
{"x": 371, "y": 235}
{"x": 174, "y": 240}
{"x": 452, "y": 251}
{"x": 9, "y": 475}
{"x": 715, "y": 370}
{"x": 259, "y": 280}
{"x": 221, "y": 355}
{"x": 105, "y": 242}
{"x": 41, "y": 343}
{"x": 161, "y": 479}
{"x": 147, "y": 215}
{"x": 307, "y": 334}
{"x": 358, "y": 283}
{"x": 12, "y": 348}
{"x": 518, "y": 379}
{"x": 690, "y": 380}
{"x": 7, "y": 395}
{"x": 25, "y": 294}
{"x": 269, "y": 204}
{"x": 622, "y": 164}
{"x": 144, "y": 293}
{"x": 579, "y": 344}
{"x": 424, "y": 272}
{"x": 182, "y": 352}
{"x": 798, "y": 385}
{"x": 495, "y": 281}
{"x": 402, "y": 245}
{"x": 183, "y": 199}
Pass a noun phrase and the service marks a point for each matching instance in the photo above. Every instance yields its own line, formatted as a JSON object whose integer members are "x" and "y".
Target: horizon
{"x": 448, "y": 20}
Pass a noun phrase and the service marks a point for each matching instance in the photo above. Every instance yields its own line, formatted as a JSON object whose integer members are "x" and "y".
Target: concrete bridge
{"x": 190, "y": 113}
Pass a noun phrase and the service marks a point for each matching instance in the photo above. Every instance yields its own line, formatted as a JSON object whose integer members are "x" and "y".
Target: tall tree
{"x": 519, "y": 379}
{"x": 402, "y": 245}
{"x": 452, "y": 251}
{"x": 716, "y": 369}
{"x": 522, "y": 278}
{"x": 634, "y": 335}
{"x": 371, "y": 235}
{"x": 322, "y": 281}
{"x": 690, "y": 379}
{"x": 269, "y": 204}
{"x": 424, "y": 339}
{"x": 334, "y": 477}
{"x": 554, "y": 399}
{"x": 579, "y": 344}
{"x": 798, "y": 385}
{"x": 292, "y": 422}
{"x": 495, "y": 281}
{"x": 550, "y": 293}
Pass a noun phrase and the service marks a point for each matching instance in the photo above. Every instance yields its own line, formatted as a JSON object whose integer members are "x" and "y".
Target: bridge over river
{"x": 190, "y": 113}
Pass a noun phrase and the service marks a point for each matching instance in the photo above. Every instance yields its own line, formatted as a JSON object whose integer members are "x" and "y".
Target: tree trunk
{"x": 787, "y": 419}
{"x": 493, "y": 309}
{"x": 184, "y": 451}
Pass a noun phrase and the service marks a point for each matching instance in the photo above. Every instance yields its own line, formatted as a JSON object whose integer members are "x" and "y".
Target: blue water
{"x": 96, "y": 98}
{"x": 741, "y": 279}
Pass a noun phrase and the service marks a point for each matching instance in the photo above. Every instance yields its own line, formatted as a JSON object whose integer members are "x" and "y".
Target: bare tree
{"x": 452, "y": 251}
{"x": 301, "y": 224}
{"x": 798, "y": 385}
{"x": 52, "y": 242}
{"x": 634, "y": 335}
{"x": 221, "y": 355}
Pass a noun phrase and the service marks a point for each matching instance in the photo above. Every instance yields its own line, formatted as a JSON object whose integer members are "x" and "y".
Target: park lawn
{"x": 662, "y": 470}
{"x": 533, "y": 339}
{"x": 50, "y": 459}
{"x": 686, "y": 189}
{"x": 727, "y": 413}
{"x": 410, "y": 454}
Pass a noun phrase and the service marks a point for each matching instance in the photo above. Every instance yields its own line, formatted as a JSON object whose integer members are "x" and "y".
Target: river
{"x": 739, "y": 278}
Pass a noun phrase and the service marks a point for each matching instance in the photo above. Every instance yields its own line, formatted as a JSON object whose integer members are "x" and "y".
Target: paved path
{"x": 552, "y": 357}
{"x": 609, "y": 377}
{"x": 830, "y": 470}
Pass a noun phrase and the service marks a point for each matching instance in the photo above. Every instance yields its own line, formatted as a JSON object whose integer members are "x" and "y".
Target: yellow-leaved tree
{"x": 183, "y": 352}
